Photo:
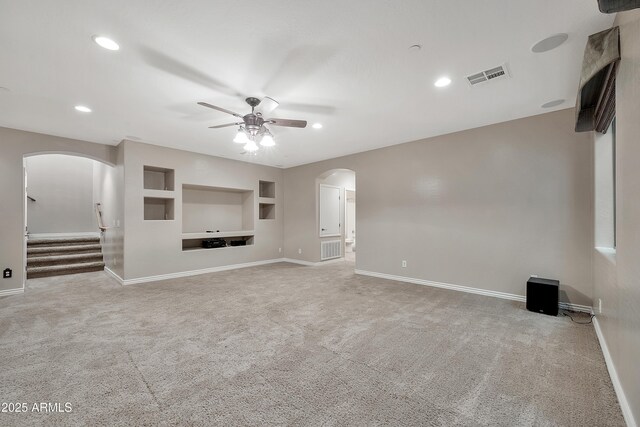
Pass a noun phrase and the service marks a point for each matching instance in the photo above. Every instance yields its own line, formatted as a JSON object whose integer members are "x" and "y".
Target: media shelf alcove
{"x": 267, "y": 211}
{"x": 159, "y": 202}
{"x": 267, "y": 189}
{"x": 156, "y": 178}
{"x": 159, "y": 209}
{"x": 216, "y": 212}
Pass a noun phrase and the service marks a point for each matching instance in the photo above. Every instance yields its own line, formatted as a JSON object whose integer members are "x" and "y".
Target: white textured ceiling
{"x": 343, "y": 63}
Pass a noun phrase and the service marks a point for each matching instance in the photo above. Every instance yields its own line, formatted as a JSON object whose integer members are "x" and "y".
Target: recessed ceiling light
{"x": 550, "y": 43}
{"x": 317, "y": 126}
{"x": 442, "y": 82}
{"x": 82, "y": 109}
{"x": 552, "y": 104}
{"x": 106, "y": 42}
{"x": 415, "y": 47}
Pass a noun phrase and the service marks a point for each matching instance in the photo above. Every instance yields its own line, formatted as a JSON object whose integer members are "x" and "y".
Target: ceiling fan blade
{"x": 268, "y": 104}
{"x": 225, "y": 125}
{"x": 288, "y": 123}
{"x": 204, "y": 104}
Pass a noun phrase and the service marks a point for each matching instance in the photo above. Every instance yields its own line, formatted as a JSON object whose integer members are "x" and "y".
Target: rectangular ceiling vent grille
{"x": 499, "y": 72}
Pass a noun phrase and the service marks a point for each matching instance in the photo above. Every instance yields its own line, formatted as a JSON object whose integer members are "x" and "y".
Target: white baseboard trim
{"x": 575, "y": 307}
{"x": 617, "y": 386}
{"x": 63, "y": 235}
{"x": 180, "y": 274}
{"x": 468, "y": 289}
{"x": 8, "y": 292}
{"x": 312, "y": 264}
{"x": 113, "y": 275}
{"x": 300, "y": 262}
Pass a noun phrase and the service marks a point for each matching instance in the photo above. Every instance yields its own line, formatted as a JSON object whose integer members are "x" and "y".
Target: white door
{"x": 329, "y": 211}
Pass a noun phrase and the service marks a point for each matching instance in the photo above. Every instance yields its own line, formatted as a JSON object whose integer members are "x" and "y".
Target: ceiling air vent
{"x": 490, "y": 74}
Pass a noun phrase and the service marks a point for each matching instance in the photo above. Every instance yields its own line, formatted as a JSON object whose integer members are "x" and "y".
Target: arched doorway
{"x": 65, "y": 194}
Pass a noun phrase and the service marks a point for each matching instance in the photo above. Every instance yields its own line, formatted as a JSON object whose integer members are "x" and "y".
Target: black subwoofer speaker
{"x": 542, "y": 295}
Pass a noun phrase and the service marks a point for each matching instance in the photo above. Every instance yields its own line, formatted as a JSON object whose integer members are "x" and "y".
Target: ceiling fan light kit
{"x": 253, "y": 125}
{"x": 251, "y": 146}
{"x": 241, "y": 137}
{"x": 267, "y": 140}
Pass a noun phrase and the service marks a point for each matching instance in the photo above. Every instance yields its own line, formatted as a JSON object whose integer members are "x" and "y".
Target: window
{"x": 613, "y": 175}
{"x": 604, "y": 168}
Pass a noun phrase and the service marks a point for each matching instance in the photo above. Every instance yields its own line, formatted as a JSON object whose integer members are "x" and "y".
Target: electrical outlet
{"x": 599, "y": 306}
{"x": 299, "y": 250}
{"x": 534, "y": 275}
{"x": 7, "y": 273}
{"x": 280, "y": 250}
{"x": 404, "y": 264}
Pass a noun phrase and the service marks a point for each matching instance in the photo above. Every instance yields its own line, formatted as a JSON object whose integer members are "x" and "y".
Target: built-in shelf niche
{"x": 158, "y": 209}
{"x": 195, "y": 244}
{"x": 267, "y": 189}
{"x": 267, "y": 211}
{"x": 156, "y": 178}
{"x": 217, "y": 209}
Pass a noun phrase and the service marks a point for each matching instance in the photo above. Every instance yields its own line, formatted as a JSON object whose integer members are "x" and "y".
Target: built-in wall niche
{"x": 267, "y": 189}
{"x": 158, "y": 209}
{"x": 267, "y": 211}
{"x": 216, "y": 210}
{"x": 193, "y": 243}
{"x": 156, "y": 178}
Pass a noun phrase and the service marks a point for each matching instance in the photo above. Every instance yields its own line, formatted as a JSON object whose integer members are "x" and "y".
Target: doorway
{"x": 337, "y": 214}
{"x": 62, "y": 215}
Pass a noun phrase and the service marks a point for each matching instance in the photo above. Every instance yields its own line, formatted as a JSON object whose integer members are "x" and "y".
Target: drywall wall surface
{"x": 17, "y": 144}
{"x": 62, "y": 186}
{"x": 617, "y": 276}
{"x": 109, "y": 192}
{"x": 484, "y": 208}
{"x": 154, "y": 248}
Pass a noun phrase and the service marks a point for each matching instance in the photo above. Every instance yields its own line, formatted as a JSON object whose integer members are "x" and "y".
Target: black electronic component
{"x": 542, "y": 295}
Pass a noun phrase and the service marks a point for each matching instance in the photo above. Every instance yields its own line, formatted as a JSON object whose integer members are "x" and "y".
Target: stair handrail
{"x": 101, "y": 225}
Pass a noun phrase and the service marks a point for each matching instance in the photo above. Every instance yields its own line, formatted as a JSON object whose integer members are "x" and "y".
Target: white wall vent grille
{"x": 330, "y": 249}
{"x": 490, "y": 74}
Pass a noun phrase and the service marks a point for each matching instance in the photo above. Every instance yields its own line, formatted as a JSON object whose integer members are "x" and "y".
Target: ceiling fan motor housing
{"x": 253, "y": 123}
{"x": 253, "y": 102}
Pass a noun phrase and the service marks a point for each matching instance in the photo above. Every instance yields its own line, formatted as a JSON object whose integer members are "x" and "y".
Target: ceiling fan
{"x": 253, "y": 125}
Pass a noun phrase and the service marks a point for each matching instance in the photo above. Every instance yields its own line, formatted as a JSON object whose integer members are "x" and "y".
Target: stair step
{"x": 52, "y": 250}
{"x": 64, "y": 259}
{"x": 59, "y": 270}
{"x": 63, "y": 241}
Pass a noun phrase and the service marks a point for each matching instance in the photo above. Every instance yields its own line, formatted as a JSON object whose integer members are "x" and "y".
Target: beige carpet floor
{"x": 291, "y": 345}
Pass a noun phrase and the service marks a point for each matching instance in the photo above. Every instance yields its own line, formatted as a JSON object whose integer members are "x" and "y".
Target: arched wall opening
{"x": 69, "y": 195}
{"x": 62, "y": 191}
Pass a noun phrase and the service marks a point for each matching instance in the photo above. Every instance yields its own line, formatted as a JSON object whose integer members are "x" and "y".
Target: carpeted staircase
{"x": 58, "y": 256}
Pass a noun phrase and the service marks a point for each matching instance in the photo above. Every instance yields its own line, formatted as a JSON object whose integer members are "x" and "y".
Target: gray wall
{"x": 617, "y": 273}
{"x": 108, "y": 190}
{"x": 63, "y": 187}
{"x": 155, "y": 247}
{"x": 15, "y": 145}
{"x": 483, "y": 208}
